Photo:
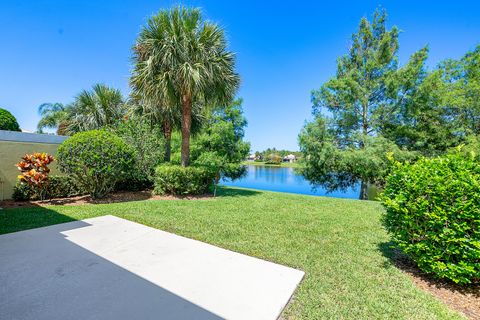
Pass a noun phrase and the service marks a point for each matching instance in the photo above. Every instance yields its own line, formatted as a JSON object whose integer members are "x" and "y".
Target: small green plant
{"x": 22, "y": 192}
{"x": 433, "y": 215}
{"x": 8, "y": 121}
{"x": 148, "y": 143}
{"x": 180, "y": 181}
{"x": 96, "y": 159}
{"x": 219, "y": 167}
{"x": 58, "y": 187}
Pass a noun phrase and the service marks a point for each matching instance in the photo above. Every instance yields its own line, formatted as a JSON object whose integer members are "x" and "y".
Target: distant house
{"x": 251, "y": 157}
{"x": 290, "y": 158}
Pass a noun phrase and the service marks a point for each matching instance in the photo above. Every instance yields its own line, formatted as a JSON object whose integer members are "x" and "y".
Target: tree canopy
{"x": 8, "y": 121}
{"x": 373, "y": 107}
{"x": 220, "y": 146}
{"x": 91, "y": 109}
{"x": 350, "y": 108}
{"x": 181, "y": 62}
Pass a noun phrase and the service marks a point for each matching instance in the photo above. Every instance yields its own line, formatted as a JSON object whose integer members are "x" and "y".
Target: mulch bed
{"x": 465, "y": 299}
{"x": 122, "y": 196}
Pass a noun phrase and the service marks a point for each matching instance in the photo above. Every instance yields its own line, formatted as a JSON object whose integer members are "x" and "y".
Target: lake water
{"x": 284, "y": 179}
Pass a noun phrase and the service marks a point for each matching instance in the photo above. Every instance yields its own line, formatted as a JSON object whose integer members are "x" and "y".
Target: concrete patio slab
{"x": 111, "y": 268}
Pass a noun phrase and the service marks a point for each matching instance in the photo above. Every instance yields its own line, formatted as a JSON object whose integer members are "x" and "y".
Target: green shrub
{"x": 148, "y": 143}
{"x": 8, "y": 121}
{"x": 58, "y": 187}
{"x": 220, "y": 168}
{"x": 96, "y": 159}
{"x": 22, "y": 192}
{"x": 433, "y": 215}
{"x": 63, "y": 187}
{"x": 178, "y": 180}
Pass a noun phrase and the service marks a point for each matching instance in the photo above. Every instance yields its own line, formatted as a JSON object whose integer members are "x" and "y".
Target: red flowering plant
{"x": 34, "y": 172}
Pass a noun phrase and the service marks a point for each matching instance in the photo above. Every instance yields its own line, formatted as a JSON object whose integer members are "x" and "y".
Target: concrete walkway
{"x": 111, "y": 268}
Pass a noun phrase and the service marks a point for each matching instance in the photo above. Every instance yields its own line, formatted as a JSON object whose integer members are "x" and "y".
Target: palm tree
{"x": 96, "y": 108}
{"x": 53, "y": 115}
{"x": 91, "y": 109}
{"x": 181, "y": 61}
{"x": 169, "y": 119}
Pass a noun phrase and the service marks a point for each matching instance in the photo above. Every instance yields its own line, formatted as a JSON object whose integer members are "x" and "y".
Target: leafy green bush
{"x": 148, "y": 143}
{"x": 96, "y": 159}
{"x": 219, "y": 167}
{"x": 8, "y": 121}
{"x": 58, "y": 187}
{"x": 178, "y": 180}
{"x": 63, "y": 187}
{"x": 433, "y": 214}
{"x": 22, "y": 192}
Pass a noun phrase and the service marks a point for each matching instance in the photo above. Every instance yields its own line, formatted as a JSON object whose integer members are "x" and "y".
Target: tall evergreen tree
{"x": 462, "y": 91}
{"x": 350, "y": 108}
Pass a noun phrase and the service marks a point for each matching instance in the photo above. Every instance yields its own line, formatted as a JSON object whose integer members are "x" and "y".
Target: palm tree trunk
{"x": 186, "y": 125}
{"x": 167, "y": 134}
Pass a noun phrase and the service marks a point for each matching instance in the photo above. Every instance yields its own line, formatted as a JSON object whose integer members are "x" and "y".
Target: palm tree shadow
{"x": 399, "y": 260}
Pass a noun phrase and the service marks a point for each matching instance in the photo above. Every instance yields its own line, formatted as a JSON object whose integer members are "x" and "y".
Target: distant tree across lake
{"x": 275, "y": 155}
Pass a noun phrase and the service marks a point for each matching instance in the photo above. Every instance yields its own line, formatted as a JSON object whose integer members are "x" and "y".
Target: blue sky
{"x": 53, "y": 49}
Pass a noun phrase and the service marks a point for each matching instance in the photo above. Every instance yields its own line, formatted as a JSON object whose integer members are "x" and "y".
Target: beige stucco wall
{"x": 10, "y": 154}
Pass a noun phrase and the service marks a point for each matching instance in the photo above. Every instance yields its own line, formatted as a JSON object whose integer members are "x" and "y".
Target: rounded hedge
{"x": 96, "y": 159}
{"x": 8, "y": 121}
{"x": 433, "y": 214}
{"x": 177, "y": 180}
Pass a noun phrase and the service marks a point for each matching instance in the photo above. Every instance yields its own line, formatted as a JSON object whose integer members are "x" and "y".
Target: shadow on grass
{"x": 123, "y": 196}
{"x": 114, "y": 197}
{"x": 34, "y": 216}
{"x": 401, "y": 261}
{"x": 234, "y": 192}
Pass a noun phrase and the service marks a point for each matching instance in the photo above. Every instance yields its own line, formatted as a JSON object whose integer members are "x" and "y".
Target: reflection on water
{"x": 284, "y": 180}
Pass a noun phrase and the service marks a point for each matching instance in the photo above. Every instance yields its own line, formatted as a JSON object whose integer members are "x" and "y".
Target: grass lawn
{"x": 340, "y": 244}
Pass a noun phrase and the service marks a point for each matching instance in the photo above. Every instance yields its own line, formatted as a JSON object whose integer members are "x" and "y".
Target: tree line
{"x": 273, "y": 155}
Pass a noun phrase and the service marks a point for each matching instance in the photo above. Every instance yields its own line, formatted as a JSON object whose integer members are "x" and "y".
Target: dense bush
{"x": 148, "y": 143}
{"x": 178, "y": 180}
{"x": 22, "y": 192}
{"x": 96, "y": 159}
{"x": 219, "y": 167}
{"x": 58, "y": 187}
{"x": 8, "y": 121}
{"x": 433, "y": 214}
